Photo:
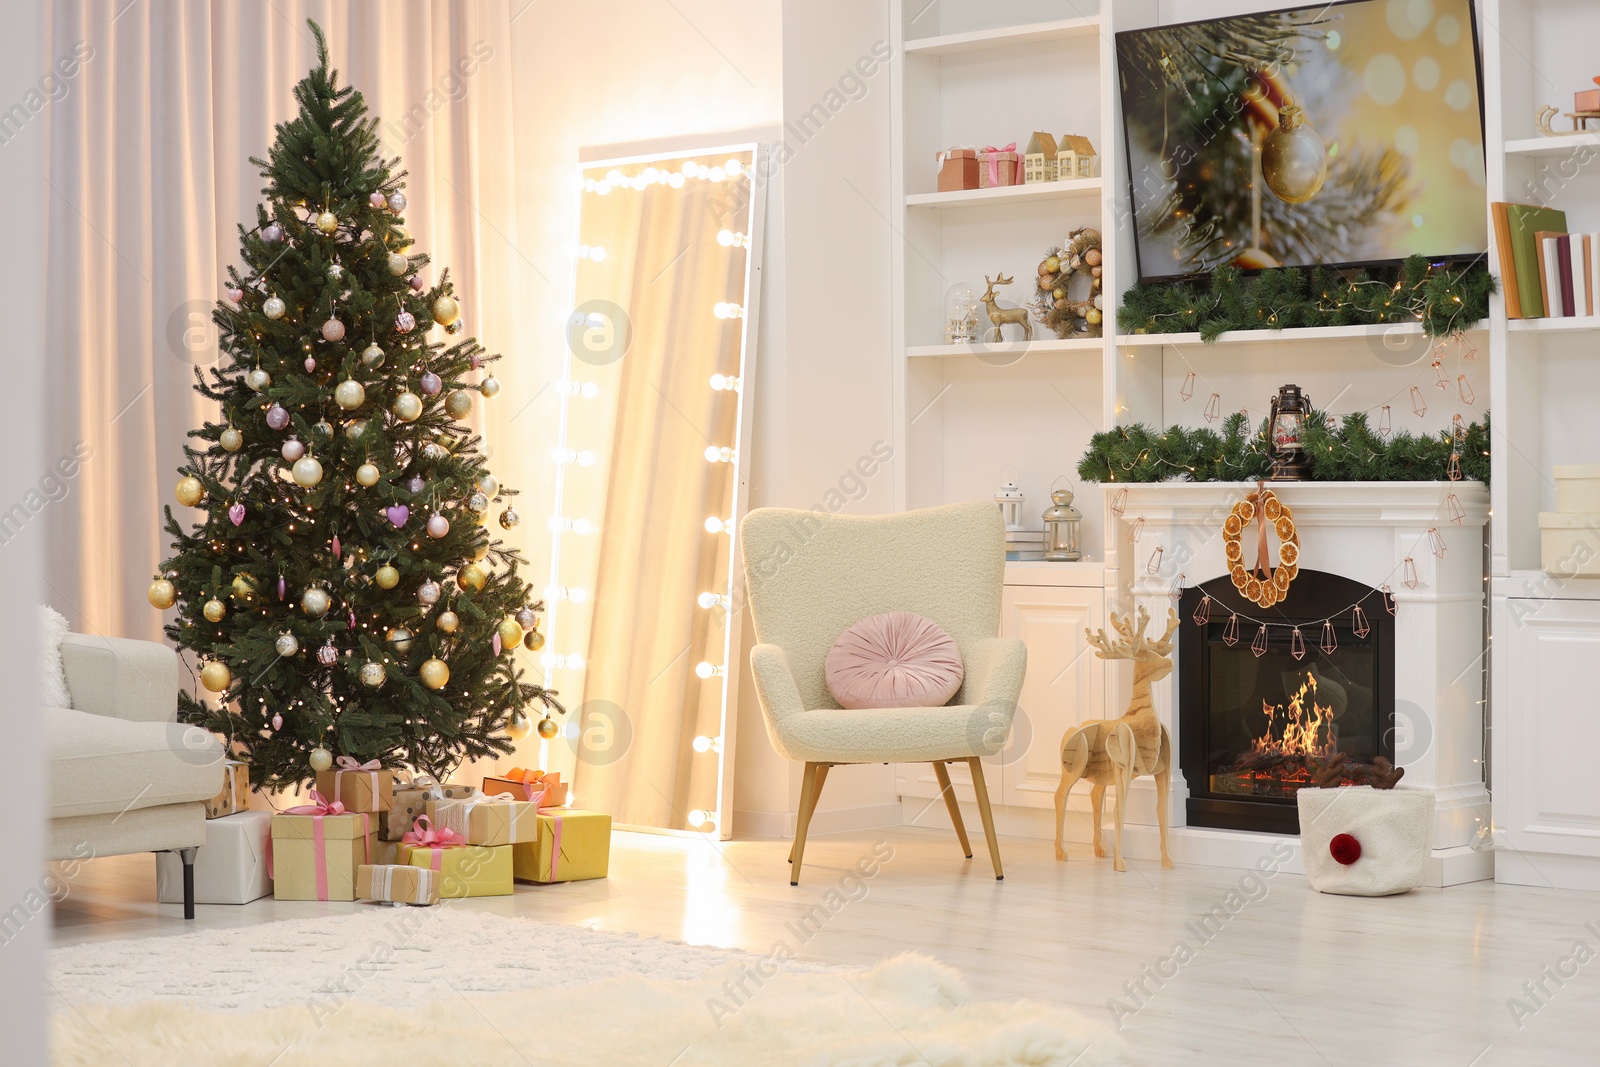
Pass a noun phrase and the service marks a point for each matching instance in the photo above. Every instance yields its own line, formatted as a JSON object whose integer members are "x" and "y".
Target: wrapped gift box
{"x": 999, "y": 167}
{"x": 358, "y": 786}
{"x": 572, "y": 846}
{"x": 485, "y": 820}
{"x": 235, "y": 794}
{"x": 230, "y": 868}
{"x": 397, "y": 883}
{"x": 465, "y": 870}
{"x": 314, "y": 857}
{"x": 547, "y": 789}
{"x": 958, "y": 169}
{"x": 411, "y": 798}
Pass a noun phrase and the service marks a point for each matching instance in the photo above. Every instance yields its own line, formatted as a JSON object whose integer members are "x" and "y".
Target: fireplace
{"x": 1253, "y": 727}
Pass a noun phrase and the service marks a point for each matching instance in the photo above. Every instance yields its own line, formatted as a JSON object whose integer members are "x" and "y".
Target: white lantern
{"x": 1062, "y": 522}
{"x": 1009, "y": 498}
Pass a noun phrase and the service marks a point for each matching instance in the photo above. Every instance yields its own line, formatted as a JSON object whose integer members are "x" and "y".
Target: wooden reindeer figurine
{"x": 999, "y": 316}
{"x": 1115, "y": 751}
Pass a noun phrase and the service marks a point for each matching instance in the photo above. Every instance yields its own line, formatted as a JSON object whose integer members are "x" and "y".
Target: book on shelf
{"x": 1517, "y": 230}
{"x": 1018, "y": 555}
{"x": 1025, "y": 537}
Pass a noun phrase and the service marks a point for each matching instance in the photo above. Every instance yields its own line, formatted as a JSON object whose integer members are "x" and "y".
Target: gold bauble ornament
{"x": 244, "y": 587}
{"x": 471, "y": 577}
{"x": 231, "y": 440}
{"x": 350, "y": 394}
{"x": 458, "y": 405}
{"x": 398, "y": 264}
{"x": 400, "y": 639}
{"x": 1294, "y": 161}
{"x": 481, "y": 551}
{"x": 215, "y": 610}
{"x": 510, "y": 633}
{"x": 327, "y": 222}
{"x": 402, "y": 237}
{"x": 490, "y": 387}
{"x": 387, "y": 577}
{"x": 320, "y": 759}
{"x": 489, "y": 486}
{"x": 372, "y": 355}
{"x": 215, "y": 676}
{"x": 534, "y": 641}
{"x": 162, "y": 594}
{"x": 189, "y": 491}
{"x": 509, "y": 518}
{"x": 372, "y": 674}
{"x": 434, "y": 673}
{"x": 548, "y": 728}
{"x": 408, "y": 407}
{"x": 447, "y": 622}
{"x": 315, "y": 602}
{"x": 520, "y": 727}
{"x": 446, "y": 310}
{"x": 307, "y": 472}
{"x": 367, "y": 475}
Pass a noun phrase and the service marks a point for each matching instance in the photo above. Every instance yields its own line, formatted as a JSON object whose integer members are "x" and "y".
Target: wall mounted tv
{"x": 1347, "y": 134}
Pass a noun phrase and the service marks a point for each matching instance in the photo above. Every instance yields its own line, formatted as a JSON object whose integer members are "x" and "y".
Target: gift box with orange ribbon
{"x": 548, "y": 790}
{"x": 486, "y": 820}
{"x": 464, "y": 870}
{"x": 316, "y": 849}
{"x": 358, "y": 786}
{"x": 572, "y": 846}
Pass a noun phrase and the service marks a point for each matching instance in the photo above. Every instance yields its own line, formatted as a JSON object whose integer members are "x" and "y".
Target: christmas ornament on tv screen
{"x": 1294, "y": 161}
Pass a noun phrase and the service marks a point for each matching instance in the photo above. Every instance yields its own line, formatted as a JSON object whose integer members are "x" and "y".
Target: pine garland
{"x": 1444, "y": 300}
{"x": 1350, "y": 452}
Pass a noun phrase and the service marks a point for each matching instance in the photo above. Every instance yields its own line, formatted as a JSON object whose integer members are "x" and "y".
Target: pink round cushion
{"x": 896, "y": 660}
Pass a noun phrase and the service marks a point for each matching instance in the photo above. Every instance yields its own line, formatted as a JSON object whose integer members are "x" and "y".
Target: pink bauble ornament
{"x": 234, "y": 294}
{"x": 398, "y": 515}
{"x": 327, "y": 654}
{"x": 414, "y": 485}
{"x": 397, "y": 202}
{"x": 311, "y": 364}
{"x": 272, "y": 233}
{"x": 376, "y": 199}
{"x": 292, "y": 449}
{"x": 405, "y": 322}
{"x": 352, "y": 625}
{"x": 337, "y": 550}
{"x": 283, "y": 587}
{"x": 438, "y": 525}
{"x": 236, "y": 514}
{"x": 496, "y": 644}
{"x": 277, "y": 417}
{"x": 474, "y": 361}
{"x": 431, "y": 384}
{"x": 277, "y": 721}
{"x": 417, "y": 283}
{"x": 333, "y": 330}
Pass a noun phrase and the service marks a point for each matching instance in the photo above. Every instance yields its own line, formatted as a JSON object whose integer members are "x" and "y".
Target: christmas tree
{"x": 341, "y": 588}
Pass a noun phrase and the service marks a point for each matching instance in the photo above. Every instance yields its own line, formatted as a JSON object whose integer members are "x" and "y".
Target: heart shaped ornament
{"x": 236, "y": 514}
{"x": 398, "y": 515}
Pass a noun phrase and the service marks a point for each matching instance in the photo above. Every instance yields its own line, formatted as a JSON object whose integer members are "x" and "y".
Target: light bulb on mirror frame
{"x": 700, "y": 818}
{"x": 725, "y": 383}
{"x": 708, "y": 670}
{"x": 719, "y": 455}
{"x": 703, "y": 743}
{"x": 715, "y": 525}
{"x": 711, "y": 600}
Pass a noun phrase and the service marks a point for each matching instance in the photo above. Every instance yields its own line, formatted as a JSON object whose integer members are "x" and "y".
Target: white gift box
{"x": 1390, "y": 826}
{"x": 230, "y": 868}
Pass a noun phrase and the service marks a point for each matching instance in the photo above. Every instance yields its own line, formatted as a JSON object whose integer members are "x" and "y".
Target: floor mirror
{"x": 643, "y": 631}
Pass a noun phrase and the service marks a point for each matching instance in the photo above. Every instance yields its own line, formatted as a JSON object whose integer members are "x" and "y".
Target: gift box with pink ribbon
{"x": 531, "y": 785}
{"x": 486, "y": 820}
{"x": 572, "y": 846}
{"x": 464, "y": 870}
{"x": 410, "y": 799}
{"x": 316, "y": 849}
{"x": 358, "y": 786}
{"x": 999, "y": 167}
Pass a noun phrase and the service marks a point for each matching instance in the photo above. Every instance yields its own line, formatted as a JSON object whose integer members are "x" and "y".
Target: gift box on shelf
{"x": 316, "y": 849}
{"x": 999, "y": 167}
{"x": 397, "y": 883}
{"x": 547, "y": 789}
{"x": 464, "y": 870}
{"x": 235, "y": 793}
{"x": 572, "y": 846}
{"x": 358, "y": 786}
{"x": 230, "y": 868}
{"x": 958, "y": 169}
{"x": 486, "y": 820}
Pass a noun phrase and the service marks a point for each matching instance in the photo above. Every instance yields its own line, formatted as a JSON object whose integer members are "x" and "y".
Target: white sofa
{"x": 124, "y": 775}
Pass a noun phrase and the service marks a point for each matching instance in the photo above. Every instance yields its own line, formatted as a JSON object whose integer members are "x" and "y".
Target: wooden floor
{"x": 1269, "y": 972}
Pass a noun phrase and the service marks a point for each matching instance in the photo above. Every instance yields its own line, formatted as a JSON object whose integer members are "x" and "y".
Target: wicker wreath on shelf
{"x": 1052, "y": 305}
{"x": 1266, "y": 586}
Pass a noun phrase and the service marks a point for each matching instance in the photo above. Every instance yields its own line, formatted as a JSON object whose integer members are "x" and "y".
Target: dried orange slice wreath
{"x": 1263, "y": 591}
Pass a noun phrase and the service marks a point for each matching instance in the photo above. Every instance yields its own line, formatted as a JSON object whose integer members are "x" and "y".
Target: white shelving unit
{"x": 989, "y": 71}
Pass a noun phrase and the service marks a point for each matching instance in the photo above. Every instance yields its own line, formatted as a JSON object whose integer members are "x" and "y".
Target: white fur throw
{"x": 53, "y": 628}
{"x": 1390, "y": 826}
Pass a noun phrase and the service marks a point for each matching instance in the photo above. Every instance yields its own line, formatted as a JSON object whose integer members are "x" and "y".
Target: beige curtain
{"x": 150, "y": 174}
{"x": 666, "y": 270}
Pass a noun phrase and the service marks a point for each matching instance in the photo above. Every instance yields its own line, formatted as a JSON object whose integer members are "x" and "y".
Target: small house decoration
{"x": 1076, "y": 158}
{"x": 1039, "y": 161}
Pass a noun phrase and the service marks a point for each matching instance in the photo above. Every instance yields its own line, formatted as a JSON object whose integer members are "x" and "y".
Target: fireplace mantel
{"x": 1363, "y": 531}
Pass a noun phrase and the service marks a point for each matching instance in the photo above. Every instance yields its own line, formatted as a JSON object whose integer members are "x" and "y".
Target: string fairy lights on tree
{"x": 339, "y": 586}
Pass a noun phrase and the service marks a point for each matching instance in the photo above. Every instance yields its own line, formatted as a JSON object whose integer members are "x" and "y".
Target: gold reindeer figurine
{"x": 1115, "y": 751}
{"x": 999, "y": 316}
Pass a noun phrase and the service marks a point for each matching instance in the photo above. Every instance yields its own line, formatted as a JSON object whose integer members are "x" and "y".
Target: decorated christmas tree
{"x": 341, "y": 588}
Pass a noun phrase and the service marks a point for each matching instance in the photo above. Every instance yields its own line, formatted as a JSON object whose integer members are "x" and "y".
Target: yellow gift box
{"x": 572, "y": 846}
{"x": 465, "y": 870}
{"x": 358, "y": 786}
{"x": 235, "y": 794}
{"x": 486, "y": 820}
{"x": 315, "y": 856}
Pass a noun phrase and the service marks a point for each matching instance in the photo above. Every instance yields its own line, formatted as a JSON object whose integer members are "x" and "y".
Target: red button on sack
{"x": 1345, "y": 849}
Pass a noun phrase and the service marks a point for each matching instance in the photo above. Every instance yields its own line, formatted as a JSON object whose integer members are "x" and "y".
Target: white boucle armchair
{"x": 811, "y": 576}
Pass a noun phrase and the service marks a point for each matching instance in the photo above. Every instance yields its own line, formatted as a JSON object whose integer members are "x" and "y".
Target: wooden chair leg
{"x": 810, "y": 787}
{"x": 988, "y": 816}
{"x": 953, "y": 806}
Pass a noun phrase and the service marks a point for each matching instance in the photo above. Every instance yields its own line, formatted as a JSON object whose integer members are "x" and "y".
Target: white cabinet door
{"x": 1065, "y": 685}
{"x": 1546, "y": 727}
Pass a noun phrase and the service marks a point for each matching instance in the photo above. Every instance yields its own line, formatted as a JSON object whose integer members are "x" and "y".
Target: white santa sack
{"x": 1390, "y": 829}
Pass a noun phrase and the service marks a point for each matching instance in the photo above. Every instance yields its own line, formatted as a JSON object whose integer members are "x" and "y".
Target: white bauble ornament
{"x": 286, "y": 645}
{"x": 273, "y": 308}
{"x": 489, "y": 486}
{"x": 428, "y": 592}
{"x": 372, "y": 355}
{"x": 405, "y": 322}
{"x": 333, "y": 330}
{"x": 308, "y": 472}
{"x": 372, "y": 674}
{"x": 258, "y": 379}
{"x": 320, "y": 759}
{"x": 292, "y": 449}
{"x": 350, "y": 394}
{"x": 315, "y": 602}
{"x": 231, "y": 440}
{"x": 490, "y": 387}
{"x": 356, "y": 429}
{"x": 520, "y": 728}
{"x": 438, "y": 525}
{"x": 398, "y": 264}
{"x": 397, "y": 202}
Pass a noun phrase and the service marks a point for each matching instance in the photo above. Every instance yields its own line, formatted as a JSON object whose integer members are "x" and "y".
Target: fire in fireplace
{"x": 1254, "y": 729}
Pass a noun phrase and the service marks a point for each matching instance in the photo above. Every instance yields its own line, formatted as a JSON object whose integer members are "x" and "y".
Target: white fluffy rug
{"x": 433, "y": 986}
